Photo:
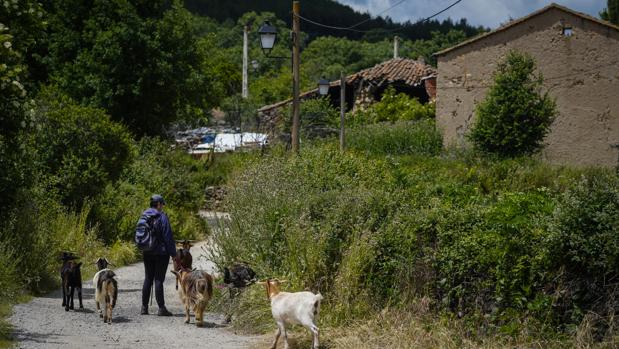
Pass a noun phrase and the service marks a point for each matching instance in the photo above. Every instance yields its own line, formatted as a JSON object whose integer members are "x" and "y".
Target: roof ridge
{"x": 524, "y": 18}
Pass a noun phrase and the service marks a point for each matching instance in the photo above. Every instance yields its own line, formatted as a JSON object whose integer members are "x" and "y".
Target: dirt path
{"x": 43, "y": 323}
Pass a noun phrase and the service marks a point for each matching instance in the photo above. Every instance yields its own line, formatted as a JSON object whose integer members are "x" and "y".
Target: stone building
{"x": 578, "y": 56}
{"x": 363, "y": 88}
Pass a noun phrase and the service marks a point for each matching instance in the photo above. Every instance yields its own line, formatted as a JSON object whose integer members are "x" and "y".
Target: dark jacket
{"x": 162, "y": 225}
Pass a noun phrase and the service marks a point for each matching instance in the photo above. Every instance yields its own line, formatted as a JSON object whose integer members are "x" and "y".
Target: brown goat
{"x": 184, "y": 258}
{"x": 195, "y": 293}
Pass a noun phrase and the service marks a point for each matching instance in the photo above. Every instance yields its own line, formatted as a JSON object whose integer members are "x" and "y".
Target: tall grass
{"x": 399, "y": 138}
{"x": 475, "y": 237}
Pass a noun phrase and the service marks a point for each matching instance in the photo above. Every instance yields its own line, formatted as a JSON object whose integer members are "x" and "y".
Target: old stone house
{"x": 363, "y": 88}
{"x": 578, "y": 56}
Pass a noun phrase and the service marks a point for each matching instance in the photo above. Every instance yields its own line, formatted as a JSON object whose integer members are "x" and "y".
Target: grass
{"x": 394, "y": 220}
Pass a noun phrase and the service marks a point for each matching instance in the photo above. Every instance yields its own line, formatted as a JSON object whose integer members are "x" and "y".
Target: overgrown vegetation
{"x": 503, "y": 244}
{"x": 392, "y": 107}
{"x": 400, "y": 138}
{"x": 516, "y": 114}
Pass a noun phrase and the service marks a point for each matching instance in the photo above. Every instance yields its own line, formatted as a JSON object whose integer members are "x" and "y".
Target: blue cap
{"x": 155, "y": 199}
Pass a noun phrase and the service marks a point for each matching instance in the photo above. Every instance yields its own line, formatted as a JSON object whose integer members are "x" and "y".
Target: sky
{"x": 488, "y": 13}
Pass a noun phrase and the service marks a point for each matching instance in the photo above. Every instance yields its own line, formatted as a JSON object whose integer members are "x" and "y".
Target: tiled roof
{"x": 408, "y": 71}
{"x": 523, "y": 19}
{"x": 396, "y": 70}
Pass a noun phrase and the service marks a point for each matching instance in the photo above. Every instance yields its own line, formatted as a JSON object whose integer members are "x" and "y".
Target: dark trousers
{"x": 155, "y": 267}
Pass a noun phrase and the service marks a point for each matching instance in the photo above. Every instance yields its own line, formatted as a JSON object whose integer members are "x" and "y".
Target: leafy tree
{"x": 516, "y": 115}
{"x": 611, "y": 12}
{"x": 15, "y": 107}
{"x": 80, "y": 149}
{"x": 142, "y": 62}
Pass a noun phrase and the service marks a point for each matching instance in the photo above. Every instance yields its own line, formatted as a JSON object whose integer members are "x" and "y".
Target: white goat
{"x": 294, "y": 308}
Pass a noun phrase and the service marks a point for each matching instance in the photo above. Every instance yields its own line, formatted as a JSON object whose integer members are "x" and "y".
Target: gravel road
{"x": 43, "y": 323}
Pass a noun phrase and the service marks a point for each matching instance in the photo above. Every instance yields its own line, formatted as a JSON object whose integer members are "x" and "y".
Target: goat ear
{"x": 79, "y": 264}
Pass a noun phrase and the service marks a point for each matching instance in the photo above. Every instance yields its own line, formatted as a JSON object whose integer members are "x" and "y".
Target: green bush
{"x": 584, "y": 246}
{"x": 156, "y": 169}
{"x": 401, "y": 138}
{"x": 394, "y": 106}
{"x": 515, "y": 116}
{"x": 80, "y": 148}
{"x": 477, "y": 237}
{"x": 318, "y": 118}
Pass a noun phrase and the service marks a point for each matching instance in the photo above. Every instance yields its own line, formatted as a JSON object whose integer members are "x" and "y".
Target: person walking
{"x": 154, "y": 237}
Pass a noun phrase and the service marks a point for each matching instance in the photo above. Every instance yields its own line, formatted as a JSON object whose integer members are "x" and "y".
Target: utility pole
{"x": 396, "y": 47}
{"x": 296, "y": 61}
{"x": 342, "y": 111}
{"x": 245, "y": 92}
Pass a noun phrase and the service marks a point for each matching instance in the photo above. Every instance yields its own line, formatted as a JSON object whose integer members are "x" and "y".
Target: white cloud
{"x": 489, "y": 13}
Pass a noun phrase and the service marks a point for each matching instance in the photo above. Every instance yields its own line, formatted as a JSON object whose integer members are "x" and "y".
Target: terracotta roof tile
{"x": 396, "y": 70}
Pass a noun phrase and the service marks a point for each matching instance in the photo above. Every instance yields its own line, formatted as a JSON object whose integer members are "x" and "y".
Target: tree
{"x": 79, "y": 148}
{"x": 515, "y": 115}
{"x": 141, "y": 61}
{"x": 17, "y": 20}
{"x": 611, "y": 12}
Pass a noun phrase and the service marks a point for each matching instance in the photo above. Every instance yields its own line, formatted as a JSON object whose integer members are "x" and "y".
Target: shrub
{"x": 80, "y": 148}
{"x": 156, "y": 169}
{"x": 318, "y": 118}
{"x": 477, "y": 237}
{"x": 515, "y": 116}
{"x": 584, "y": 247}
{"x": 394, "y": 106}
{"x": 401, "y": 138}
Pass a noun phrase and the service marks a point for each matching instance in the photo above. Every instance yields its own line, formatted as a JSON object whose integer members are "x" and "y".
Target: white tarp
{"x": 231, "y": 141}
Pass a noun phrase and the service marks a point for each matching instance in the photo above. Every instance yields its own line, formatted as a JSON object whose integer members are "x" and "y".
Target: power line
{"x": 441, "y": 11}
{"x": 380, "y": 13}
{"x": 373, "y": 30}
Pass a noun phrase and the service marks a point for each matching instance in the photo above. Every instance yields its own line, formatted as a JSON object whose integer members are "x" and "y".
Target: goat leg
{"x": 199, "y": 310}
{"x": 279, "y": 332}
{"x": 71, "y": 294}
{"x": 79, "y": 296}
{"x": 186, "y": 312}
{"x": 315, "y": 334}
{"x": 64, "y": 295}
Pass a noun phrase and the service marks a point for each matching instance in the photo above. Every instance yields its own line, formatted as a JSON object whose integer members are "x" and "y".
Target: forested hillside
{"x": 332, "y": 13}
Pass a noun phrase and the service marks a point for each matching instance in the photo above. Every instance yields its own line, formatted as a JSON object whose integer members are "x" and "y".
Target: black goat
{"x": 71, "y": 276}
{"x": 239, "y": 275}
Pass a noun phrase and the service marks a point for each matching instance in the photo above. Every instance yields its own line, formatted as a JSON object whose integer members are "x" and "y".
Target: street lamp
{"x": 268, "y": 34}
{"x": 323, "y": 87}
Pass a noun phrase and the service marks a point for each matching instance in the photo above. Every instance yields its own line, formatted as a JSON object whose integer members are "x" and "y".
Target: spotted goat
{"x": 106, "y": 289}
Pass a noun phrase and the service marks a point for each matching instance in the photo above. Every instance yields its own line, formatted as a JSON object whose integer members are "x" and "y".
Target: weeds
{"x": 474, "y": 236}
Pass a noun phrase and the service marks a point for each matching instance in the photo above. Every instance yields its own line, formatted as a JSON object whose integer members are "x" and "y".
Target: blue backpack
{"x": 147, "y": 237}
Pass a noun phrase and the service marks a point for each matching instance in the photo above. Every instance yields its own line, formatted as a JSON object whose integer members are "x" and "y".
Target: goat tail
{"x": 205, "y": 287}
{"x": 110, "y": 291}
{"x": 317, "y": 299}
{"x": 209, "y": 286}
